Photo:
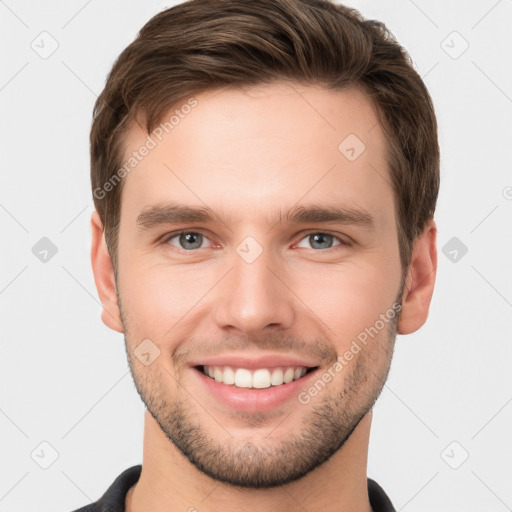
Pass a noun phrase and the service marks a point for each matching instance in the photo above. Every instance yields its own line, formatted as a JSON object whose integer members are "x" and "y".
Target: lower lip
{"x": 251, "y": 399}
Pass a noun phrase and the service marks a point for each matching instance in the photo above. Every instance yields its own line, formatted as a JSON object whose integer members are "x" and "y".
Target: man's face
{"x": 251, "y": 282}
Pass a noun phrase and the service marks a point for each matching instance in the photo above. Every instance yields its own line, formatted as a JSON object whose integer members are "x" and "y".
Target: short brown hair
{"x": 202, "y": 45}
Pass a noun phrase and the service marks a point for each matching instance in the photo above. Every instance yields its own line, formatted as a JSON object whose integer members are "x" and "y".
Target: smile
{"x": 259, "y": 378}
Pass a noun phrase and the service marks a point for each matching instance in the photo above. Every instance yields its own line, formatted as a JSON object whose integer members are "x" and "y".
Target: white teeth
{"x": 229, "y": 375}
{"x": 217, "y": 374}
{"x": 277, "y": 377}
{"x": 243, "y": 378}
{"x": 288, "y": 375}
{"x": 259, "y": 379}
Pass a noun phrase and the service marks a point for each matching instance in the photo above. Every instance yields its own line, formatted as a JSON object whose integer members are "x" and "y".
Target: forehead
{"x": 242, "y": 150}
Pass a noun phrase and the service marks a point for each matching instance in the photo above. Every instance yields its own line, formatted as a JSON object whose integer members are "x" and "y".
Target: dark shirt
{"x": 114, "y": 497}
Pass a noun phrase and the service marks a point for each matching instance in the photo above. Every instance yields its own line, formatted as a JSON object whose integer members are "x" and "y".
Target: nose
{"x": 255, "y": 296}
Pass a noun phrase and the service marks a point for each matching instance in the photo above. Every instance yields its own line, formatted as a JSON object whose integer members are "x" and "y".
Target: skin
{"x": 245, "y": 154}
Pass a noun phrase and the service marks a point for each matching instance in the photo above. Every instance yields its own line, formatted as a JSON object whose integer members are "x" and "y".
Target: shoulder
{"x": 114, "y": 497}
{"x": 379, "y": 500}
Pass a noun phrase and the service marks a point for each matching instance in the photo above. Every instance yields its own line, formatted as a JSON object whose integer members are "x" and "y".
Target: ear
{"x": 104, "y": 276}
{"x": 420, "y": 279}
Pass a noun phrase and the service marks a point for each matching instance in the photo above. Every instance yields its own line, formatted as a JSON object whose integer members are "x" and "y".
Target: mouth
{"x": 258, "y": 378}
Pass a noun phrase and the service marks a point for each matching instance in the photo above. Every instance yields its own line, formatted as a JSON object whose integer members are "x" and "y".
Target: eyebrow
{"x": 172, "y": 213}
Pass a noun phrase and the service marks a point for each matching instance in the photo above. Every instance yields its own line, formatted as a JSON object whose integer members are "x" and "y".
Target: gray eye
{"x": 320, "y": 240}
{"x": 189, "y": 240}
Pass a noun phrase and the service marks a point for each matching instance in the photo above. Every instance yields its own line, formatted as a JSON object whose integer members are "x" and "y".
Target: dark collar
{"x": 114, "y": 498}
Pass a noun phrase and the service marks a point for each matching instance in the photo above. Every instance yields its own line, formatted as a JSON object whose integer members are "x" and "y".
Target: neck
{"x": 168, "y": 481}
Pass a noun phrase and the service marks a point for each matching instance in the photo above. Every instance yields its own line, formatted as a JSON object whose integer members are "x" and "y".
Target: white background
{"x": 64, "y": 375}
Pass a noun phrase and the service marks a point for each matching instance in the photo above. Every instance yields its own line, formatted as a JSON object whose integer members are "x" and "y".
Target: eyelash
{"x": 170, "y": 236}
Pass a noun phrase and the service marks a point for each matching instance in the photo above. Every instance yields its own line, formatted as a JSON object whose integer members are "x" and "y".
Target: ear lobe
{"x": 420, "y": 280}
{"x": 104, "y": 276}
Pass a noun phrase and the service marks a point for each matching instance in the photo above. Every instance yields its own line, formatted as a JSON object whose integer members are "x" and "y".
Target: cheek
{"x": 158, "y": 299}
{"x": 348, "y": 298}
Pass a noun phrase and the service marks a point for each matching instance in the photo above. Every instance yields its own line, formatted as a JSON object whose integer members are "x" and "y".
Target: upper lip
{"x": 255, "y": 361}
